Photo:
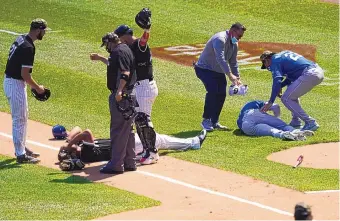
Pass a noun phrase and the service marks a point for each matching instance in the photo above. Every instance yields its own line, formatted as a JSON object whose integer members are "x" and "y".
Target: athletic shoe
{"x": 218, "y": 126}
{"x": 207, "y": 125}
{"x": 287, "y": 135}
{"x": 307, "y": 133}
{"x": 109, "y": 171}
{"x": 27, "y": 159}
{"x": 139, "y": 156}
{"x": 149, "y": 158}
{"x": 295, "y": 123}
{"x": 130, "y": 168}
{"x": 31, "y": 153}
{"x": 202, "y": 136}
{"x": 313, "y": 126}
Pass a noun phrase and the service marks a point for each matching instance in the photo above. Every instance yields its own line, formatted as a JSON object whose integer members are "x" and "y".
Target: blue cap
{"x": 59, "y": 132}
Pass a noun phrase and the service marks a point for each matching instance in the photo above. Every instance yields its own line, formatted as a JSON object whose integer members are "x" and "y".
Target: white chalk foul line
{"x": 322, "y": 191}
{"x": 174, "y": 181}
{"x": 32, "y": 142}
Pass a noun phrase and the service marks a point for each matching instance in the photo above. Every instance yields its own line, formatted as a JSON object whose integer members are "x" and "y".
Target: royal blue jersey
{"x": 286, "y": 64}
{"x": 257, "y": 104}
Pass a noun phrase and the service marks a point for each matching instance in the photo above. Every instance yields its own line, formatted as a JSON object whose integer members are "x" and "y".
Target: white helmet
{"x": 238, "y": 89}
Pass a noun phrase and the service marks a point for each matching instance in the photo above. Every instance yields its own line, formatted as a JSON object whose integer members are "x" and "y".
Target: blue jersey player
{"x": 301, "y": 75}
{"x": 253, "y": 122}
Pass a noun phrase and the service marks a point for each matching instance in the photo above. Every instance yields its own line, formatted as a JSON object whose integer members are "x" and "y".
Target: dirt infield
{"x": 331, "y": 1}
{"x": 186, "y": 190}
{"x": 248, "y": 54}
{"x": 322, "y": 156}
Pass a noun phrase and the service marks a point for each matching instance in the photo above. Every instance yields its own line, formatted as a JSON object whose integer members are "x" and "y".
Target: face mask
{"x": 234, "y": 40}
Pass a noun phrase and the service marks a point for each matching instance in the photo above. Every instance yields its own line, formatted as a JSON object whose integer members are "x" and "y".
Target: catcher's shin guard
{"x": 146, "y": 132}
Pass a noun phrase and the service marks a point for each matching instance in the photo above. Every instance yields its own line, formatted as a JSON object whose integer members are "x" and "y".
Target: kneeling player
{"x": 253, "y": 122}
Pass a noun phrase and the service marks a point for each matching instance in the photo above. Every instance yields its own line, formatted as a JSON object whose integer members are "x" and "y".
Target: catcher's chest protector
{"x": 100, "y": 150}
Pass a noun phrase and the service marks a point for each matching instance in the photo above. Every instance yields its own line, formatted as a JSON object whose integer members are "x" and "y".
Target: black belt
{"x": 129, "y": 88}
{"x": 150, "y": 79}
{"x": 7, "y": 76}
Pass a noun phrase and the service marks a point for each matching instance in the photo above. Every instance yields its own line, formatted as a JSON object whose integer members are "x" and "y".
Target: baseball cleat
{"x": 219, "y": 126}
{"x": 27, "y": 159}
{"x": 207, "y": 125}
{"x": 287, "y": 136}
{"x": 313, "y": 126}
{"x": 149, "y": 158}
{"x": 307, "y": 133}
{"x": 31, "y": 153}
{"x": 202, "y": 136}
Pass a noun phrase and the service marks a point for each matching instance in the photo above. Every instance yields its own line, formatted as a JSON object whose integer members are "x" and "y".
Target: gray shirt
{"x": 218, "y": 52}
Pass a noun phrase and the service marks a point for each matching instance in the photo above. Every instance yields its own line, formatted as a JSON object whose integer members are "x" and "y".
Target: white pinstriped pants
{"x": 15, "y": 91}
{"x": 165, "y": 142}
{"x": 146, "y": 93}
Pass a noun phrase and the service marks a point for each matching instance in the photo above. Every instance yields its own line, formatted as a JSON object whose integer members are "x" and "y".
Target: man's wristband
{"x": 124, "y": 77}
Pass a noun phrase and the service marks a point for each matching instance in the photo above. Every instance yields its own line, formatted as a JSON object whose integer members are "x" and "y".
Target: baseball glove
{"x": 41, "y": 97}
{"x": 71, "y": 164}
{"x": 143, "y": 18}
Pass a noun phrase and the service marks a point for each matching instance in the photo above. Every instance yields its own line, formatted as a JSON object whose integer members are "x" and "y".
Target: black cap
{"x": 123, "y": 30}
{"x": 265, "y": 55}
{"x": 302, "y": 211}
{"x": 38, "y": 23}
{"x": 109, "y": 37}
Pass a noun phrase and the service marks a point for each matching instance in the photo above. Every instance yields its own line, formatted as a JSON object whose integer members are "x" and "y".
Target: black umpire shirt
{"x": 21, "y": 54}
{"x": 121, "y": 59}
{"x": 143, "y": 61}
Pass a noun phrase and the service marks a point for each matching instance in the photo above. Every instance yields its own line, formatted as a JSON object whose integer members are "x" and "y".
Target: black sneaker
{"x": 31, "y": 153}
{"x": 202, "y": 136}
{"x": 27, "y": 159}
{"x": 130, "y": 168}
{"x": 109, "y": 171}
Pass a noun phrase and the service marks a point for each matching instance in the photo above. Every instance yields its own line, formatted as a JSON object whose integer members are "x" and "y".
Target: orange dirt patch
{"x": 181, "y": 201}
{"x": 322, "y": 156}
{"x": 331, "y": 1}
{"x": 249, "y": 52}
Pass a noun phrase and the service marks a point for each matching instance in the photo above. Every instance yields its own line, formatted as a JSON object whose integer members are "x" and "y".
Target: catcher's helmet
{"x": 59, "y": 132}
{"x": 123, "y": 30}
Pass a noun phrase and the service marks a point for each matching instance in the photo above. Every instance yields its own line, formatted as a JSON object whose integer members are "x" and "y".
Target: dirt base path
{"x": 322, "y": 156}
{"x": 186, "y": 190}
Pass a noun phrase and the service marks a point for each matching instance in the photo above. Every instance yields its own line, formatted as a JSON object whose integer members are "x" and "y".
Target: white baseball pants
{"x": 146, "y": 93}
{"x": 165, "y": 142}
{"x": 15, "y": 91}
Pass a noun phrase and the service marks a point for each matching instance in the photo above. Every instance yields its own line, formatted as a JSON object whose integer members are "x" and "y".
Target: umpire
{"x": 121, "y": 78}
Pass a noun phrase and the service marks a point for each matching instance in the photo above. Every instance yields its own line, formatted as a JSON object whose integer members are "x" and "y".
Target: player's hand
{"x": 40, "y": 89}
{"x": 267, "y": 106}
{"x": 234, "y": 80}
{"x": 280, "y": 93}
{"x": 119, "y": 96}
{"x": 94, "y": 56}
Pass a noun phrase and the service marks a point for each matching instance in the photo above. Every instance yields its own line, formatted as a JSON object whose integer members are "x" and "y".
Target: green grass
{"x": 79, "y": 94}
{"x": 39, "y": 193}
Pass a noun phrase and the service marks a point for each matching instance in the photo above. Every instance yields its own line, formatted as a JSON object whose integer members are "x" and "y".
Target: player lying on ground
{"x": 253, "y": 122}
{"x": 163, "y": 142}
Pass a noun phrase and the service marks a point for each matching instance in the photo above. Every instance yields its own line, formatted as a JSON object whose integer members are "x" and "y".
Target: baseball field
{"x": 80, "y": 97}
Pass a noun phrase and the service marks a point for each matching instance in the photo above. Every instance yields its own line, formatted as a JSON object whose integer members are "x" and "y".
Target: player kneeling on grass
{"x": 83, "y": 146}
{"x": 253, "y": 122}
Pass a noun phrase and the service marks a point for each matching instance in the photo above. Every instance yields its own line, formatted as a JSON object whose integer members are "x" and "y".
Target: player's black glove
{"x": 41, "y": 97}
{"x": 143, "y": 18}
